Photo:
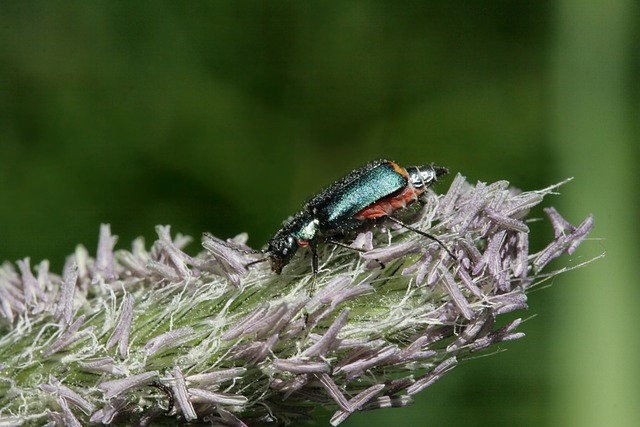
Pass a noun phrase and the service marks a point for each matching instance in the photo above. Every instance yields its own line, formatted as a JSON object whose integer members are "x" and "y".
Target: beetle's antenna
{"x": 231, "y": 245}
{"x": 258, "y": 261}
{"x": 422, "y": 233}
{"x": 246, "y": 251}
{"x": 250, "y": 251}
{"x": 263, "y": 252}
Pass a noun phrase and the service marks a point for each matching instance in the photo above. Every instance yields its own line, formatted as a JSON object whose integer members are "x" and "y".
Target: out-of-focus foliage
{"x": 224, "y": 116}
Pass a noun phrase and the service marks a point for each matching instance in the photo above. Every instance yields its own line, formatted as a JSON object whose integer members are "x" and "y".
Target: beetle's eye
{"x": 291, "y": 242}
{"x": 287, "y": 246}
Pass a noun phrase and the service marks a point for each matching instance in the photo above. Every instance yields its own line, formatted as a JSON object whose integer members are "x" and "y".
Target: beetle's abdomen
{"x": 387, "y": 205}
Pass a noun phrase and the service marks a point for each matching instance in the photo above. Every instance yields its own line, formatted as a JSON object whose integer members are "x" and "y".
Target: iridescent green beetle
{"x": 372, "y": 192}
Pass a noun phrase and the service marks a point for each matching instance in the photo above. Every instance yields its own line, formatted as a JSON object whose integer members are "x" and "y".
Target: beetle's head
{"x": 422, "y": 177}
{"x": 298, "y": 232}
{"x": 280, "y": 250}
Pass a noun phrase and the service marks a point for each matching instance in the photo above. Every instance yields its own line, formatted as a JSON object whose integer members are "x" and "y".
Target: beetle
{"x": 370, "y": 193}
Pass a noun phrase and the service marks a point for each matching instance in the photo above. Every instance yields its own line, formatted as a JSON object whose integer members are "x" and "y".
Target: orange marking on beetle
{"x": 402, "y": 171}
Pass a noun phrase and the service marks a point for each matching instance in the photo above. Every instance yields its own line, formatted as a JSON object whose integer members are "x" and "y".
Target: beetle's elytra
{"x": 371, "y": 192}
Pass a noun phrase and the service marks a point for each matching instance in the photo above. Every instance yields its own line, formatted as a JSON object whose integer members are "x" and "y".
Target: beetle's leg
{"x": 363, "y": 251}
{"x": 422, "y": 233}
{"x": 314, "y": 259}
{"x": 166, "y": 390}
{"x": 342, "y": 245}
{"x": 314, "y": 267}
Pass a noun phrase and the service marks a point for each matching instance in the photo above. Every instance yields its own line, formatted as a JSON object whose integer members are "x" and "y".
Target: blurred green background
{"x": 225, "y": 116}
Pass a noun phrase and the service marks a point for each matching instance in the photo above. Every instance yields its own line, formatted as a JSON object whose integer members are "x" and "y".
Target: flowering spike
{"x": 234, "y": 344}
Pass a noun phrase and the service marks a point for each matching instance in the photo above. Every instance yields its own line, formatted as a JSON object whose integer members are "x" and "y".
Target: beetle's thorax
{"x": 422, "y": 177}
